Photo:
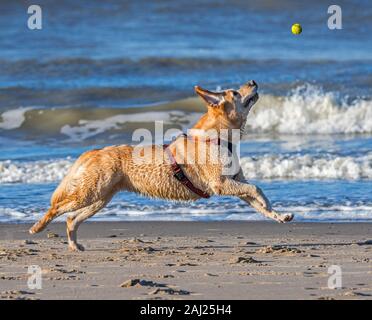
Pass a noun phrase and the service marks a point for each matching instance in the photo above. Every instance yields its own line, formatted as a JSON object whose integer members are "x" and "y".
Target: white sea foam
{"x": 33, "y": 172}
{"x": 11, "y": 214}
{"x": 307, "y": 167}
{"x": 299, "y": 167}
{"x": 309, "y": 110}
{"x": 13, "y": 119}
{"x": 203, "y": 212}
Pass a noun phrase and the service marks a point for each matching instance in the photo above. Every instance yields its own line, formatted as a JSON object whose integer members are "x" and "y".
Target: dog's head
{"x": 229, "y": 108}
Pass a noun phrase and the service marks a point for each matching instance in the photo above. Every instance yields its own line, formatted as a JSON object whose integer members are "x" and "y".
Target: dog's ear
{"x": 213, "y": 99}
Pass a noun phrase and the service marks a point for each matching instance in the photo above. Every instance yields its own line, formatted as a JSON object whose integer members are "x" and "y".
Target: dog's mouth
{"x": 251, "y": 99}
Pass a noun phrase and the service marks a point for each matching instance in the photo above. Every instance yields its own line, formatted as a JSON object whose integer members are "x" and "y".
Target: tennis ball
{"x": 296, "y": 28}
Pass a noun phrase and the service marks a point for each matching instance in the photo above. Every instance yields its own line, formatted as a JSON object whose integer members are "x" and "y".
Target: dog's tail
{"x": 44, "y": 221}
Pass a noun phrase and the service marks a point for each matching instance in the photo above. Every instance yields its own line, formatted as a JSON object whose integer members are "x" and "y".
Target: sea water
{"x": 99, "y": 70}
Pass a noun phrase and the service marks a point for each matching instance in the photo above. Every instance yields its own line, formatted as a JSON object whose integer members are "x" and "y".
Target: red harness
{"x": 180, "y": 175}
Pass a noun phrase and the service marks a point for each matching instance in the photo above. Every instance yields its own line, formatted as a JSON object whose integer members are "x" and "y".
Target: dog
{"x": 97, "y": 175}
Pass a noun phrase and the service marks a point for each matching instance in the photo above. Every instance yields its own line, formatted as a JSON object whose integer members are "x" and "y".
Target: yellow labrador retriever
{"x": 97, "y": 175}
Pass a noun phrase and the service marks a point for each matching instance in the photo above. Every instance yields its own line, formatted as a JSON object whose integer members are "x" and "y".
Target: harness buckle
{"x": 179, "y": 175}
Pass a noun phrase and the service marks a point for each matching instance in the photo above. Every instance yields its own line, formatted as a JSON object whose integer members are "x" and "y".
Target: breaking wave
{"x": 42, "y": 171}
{"x": 307, "y": 167}
{"x": 309, "y": 110}
{"x": 281, "y": 167}
{"x": 306, "y": 110}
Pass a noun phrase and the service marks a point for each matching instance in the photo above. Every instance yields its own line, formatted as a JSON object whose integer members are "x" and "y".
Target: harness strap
{"x": 217, "y": 141}
{"x": 180, "y": 175}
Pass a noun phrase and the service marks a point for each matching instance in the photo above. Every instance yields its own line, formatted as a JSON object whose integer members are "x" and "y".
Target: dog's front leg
{"x": 252, "y": 195}
{"x": 267, "y": 213}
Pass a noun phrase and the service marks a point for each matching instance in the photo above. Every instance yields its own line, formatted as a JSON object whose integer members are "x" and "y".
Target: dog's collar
{"x": 217, "y": 141}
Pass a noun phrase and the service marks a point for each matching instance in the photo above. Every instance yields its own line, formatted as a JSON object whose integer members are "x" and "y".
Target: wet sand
{"x": 189, "y": 260}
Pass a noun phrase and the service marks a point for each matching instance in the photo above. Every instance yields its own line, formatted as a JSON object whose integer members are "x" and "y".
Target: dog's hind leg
{"x": 75, "y": 218}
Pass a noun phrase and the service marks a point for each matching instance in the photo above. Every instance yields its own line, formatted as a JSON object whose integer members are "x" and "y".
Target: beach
{"x": 189, "y": 260}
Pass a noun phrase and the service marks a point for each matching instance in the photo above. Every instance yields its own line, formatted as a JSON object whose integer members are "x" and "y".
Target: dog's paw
{"x": 35, "y": 228}
{"x": 76, "y": 247}
{"x": 286, "y": 218}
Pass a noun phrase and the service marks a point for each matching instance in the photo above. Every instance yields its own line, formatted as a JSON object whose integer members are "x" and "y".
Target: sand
{"x": 189, "y": 260}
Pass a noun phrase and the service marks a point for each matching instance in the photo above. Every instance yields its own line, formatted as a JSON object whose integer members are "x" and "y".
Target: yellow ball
{"x": 296, "y": 28}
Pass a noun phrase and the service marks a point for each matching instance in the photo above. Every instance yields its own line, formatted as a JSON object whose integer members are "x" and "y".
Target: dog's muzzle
{"x": 251, "y": 99}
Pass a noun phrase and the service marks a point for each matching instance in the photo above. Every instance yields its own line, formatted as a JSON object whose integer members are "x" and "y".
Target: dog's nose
{"x": 252, "y": 83}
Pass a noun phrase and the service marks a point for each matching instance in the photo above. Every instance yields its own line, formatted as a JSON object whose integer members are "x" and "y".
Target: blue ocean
{"x": 98, "y": 70}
